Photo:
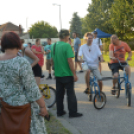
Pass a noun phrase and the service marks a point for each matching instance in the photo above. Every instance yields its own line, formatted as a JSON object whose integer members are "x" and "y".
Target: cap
{"x": 95, "y": 32}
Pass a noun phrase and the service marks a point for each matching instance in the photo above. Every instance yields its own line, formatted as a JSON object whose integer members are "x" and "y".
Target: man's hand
{"x": 113, "y": 58}
{"x": 75, "y": 78}
{"x": 129, "y": 58}
{"x": 102, "y": 60}
{"x": 48, "y": 51}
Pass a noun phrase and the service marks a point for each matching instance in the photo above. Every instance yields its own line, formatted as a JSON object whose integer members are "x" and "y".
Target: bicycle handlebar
{"x": 120, "y": 62}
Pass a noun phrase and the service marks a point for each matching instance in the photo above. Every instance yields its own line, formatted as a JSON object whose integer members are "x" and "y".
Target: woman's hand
{"x": 43, "y": 112}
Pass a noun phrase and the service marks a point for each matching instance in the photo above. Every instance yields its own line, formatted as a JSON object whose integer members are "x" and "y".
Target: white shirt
{"x": 90, "y": 54}
{"x": 97, "y": 41}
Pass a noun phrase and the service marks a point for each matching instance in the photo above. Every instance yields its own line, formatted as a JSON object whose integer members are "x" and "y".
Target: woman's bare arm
{"x": 30, "y": 54}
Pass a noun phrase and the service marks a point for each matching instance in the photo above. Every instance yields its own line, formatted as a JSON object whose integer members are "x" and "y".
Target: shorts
{"x": 37, "y": 70}
{"x": 96, "y": 73}
{"x": 76, "y": 57}
{"x": 48, "y": 64}
{"x": 99, "y": 59}
{"x": 115, "y": 67}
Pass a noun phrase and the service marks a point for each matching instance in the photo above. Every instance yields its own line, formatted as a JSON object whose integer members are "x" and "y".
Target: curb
{"x": 68, "y": 126}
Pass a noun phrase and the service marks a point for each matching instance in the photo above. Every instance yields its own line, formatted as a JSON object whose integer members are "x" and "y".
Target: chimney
{"x": 20, "y": 29}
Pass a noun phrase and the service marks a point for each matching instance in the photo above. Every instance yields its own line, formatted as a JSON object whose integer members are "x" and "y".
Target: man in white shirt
{"x": 91, "y": 54}
{"x": 97, "y": 41}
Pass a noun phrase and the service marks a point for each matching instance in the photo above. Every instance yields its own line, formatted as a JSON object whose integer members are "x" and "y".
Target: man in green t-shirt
{"x": 62, "y": 55}
{"x": 47, "y": 50}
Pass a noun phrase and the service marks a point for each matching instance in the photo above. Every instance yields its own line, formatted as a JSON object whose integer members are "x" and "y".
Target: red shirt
{"x": 40, "y": 56}
{"x": 119, "y": 51}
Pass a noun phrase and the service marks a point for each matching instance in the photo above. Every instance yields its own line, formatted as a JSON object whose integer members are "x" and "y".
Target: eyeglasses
{"x": 90, "y": 38}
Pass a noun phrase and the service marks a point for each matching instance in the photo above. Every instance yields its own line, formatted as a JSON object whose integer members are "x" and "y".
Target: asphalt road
{"x": 114, "y": 118}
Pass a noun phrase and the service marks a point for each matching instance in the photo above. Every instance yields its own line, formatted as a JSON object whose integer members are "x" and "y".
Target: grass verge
{"x": 55, "y": 127}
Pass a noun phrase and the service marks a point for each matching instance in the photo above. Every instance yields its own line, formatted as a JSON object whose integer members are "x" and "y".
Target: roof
{"x": 9, "y": 27}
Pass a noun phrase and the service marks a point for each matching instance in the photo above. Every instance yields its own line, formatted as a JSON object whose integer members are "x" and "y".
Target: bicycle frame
{"x": 93, "y": 85}
{"x": 125, "y": 78}
{"x": 47, "y": 92}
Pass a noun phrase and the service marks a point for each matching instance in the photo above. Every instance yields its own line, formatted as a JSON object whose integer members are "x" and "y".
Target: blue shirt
{"x": 77, "y": 41}
{"x": 46, "y": 48}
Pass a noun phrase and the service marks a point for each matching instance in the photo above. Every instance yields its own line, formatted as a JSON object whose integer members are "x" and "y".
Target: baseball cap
{"x": 95, "y": 32}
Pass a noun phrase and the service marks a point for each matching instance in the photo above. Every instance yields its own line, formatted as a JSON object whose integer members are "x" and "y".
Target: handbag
{"x": 15, "y": 119}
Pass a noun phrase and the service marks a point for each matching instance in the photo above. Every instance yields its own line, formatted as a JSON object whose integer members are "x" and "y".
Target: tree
{"x": 76, "y": 25}
{"x": 43, "y": 30}
{"x": 122, "y": 18}
{"x": 98, "y": 16}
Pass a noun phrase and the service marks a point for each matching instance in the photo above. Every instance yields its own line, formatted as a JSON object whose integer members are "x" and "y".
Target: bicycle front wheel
{"x": 99, "y": 100}
{"x": 49, "y": 95}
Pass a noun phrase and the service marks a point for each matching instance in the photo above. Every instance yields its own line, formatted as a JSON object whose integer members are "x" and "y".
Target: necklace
{"x": 89, "y": 48}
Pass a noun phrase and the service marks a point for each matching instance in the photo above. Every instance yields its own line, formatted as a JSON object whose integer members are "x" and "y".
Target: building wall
{"x": 42, "y": 40}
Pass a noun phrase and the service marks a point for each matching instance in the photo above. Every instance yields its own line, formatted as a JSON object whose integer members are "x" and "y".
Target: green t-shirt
{"x": 46, "y": 48}
{"x": 63, "y": 51}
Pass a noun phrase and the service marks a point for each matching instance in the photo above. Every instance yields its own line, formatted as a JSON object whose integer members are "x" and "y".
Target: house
{"x": 8, "y": 27}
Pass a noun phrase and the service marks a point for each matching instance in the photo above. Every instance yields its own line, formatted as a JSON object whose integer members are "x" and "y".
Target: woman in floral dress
{"x": 15, "y": 75}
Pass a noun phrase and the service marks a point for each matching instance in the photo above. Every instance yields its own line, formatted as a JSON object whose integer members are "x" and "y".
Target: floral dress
{"x": 18, "y": 87}
{"x": 40, "y": 56}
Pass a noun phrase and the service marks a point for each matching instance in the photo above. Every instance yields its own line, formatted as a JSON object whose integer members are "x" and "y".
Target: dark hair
{"x": 29, "y": 43}
{"x": 10, "y": 40}
{"x": 37, "y": 40}
{"x": 76, "y": 34}
{"x": 63, "y": 33}
{"x": 49, "y": 39}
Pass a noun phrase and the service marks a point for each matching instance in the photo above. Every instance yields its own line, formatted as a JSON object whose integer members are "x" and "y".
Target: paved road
{"x": 115, "y": 118}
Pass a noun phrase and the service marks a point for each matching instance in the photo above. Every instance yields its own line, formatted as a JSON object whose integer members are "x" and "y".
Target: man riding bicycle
{"x": 91, "y": 54}
{"x": 117, "y": 50}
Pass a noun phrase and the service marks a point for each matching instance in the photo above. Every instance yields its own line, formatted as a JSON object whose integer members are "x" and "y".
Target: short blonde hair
{"x": 89, "y": 34}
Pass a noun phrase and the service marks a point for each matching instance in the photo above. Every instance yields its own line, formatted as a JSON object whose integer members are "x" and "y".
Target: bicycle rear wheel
{"x": 128, "y": 96}
{"x": 49, "y": 95}
{"x": 99, "y": 100}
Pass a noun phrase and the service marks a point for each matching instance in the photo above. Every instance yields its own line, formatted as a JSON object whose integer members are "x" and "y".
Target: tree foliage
{"x": 122, "y": 18}
{"x": 43, "y": 29}
{"x": 111, "y": 16}
{"x": 76, "y": 25}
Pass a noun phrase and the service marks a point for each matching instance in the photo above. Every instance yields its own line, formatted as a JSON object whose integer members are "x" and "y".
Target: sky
{"x": 18, "y": 11}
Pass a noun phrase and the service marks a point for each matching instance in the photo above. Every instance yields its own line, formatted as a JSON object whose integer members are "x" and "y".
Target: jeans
{"x": 67, "y": 83}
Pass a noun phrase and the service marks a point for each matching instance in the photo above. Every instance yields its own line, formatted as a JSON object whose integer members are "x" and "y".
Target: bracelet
{"x": 43, "y": 107}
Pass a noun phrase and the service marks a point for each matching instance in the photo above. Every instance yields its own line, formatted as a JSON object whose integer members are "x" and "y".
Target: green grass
{"x": 55, "y": 127}
{"x": 106, "y": 58}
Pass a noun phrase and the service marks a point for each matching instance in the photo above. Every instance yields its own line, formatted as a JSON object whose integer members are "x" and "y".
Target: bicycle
{"x": 127, "y": 83}
{"x": 99, "y": 100}
{"x": 49, "y": 94}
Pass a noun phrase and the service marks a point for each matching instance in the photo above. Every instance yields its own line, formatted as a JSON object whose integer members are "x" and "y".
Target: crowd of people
{"x": 21, "y": 68}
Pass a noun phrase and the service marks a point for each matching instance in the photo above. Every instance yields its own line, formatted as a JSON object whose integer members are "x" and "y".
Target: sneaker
{"x": 49, "y": 78}
{"x": 75, "y": 115}
{"x": 42, "y": 76}
{"x": 81, "y": 71}
{"x": 87, "y": 91}
{"x": 113, "y": 91}
{"x": 64, "y": 112}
